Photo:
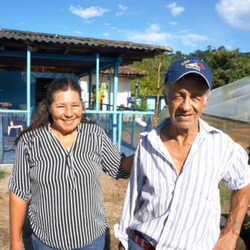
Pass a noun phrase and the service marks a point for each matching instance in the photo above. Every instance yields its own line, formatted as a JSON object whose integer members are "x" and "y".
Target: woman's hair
{"x": 42, "y": 116}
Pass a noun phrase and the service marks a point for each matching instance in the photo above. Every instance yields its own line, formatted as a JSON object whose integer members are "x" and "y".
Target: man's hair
{"x": 191, "y": 76}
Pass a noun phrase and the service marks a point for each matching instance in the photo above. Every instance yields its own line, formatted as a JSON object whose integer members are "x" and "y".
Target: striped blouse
{"x": 66, "y": 209}
{"x": 181, "y": 211}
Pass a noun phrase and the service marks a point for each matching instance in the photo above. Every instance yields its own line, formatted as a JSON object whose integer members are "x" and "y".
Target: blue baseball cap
{"x": 184, "y": 66}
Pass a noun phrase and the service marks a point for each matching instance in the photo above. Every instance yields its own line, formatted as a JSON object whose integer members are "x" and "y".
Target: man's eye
{"x": 197, "y": 98}
{"x": 178, "y": 96}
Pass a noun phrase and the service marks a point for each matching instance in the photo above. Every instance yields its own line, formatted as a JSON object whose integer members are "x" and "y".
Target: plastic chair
{"x": 15, "y": 124}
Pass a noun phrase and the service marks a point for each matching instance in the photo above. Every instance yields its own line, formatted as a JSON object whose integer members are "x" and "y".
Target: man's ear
{"x": 206, "y": 101}
{"x": 165, "y": 97}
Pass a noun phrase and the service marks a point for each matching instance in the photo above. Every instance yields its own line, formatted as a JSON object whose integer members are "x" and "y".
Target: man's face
{"x": 186, "y": 100}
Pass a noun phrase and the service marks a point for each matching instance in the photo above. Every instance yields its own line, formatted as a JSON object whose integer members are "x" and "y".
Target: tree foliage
{"x": 227, "y": 67}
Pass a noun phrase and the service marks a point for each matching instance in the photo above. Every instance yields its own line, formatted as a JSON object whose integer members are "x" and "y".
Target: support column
{"x": 118, "y": 62}
{"x": 90, "y": 88}
{"x": 97, "y": 81}
{"x": 28, "y": 84}
{"x": 110, "y": 88}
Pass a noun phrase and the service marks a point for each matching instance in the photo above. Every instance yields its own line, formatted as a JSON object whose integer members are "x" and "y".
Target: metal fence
{"x": 122, "y": 126}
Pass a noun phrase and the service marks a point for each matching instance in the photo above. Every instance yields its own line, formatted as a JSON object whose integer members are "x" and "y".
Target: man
{"x": 173, "y": 199}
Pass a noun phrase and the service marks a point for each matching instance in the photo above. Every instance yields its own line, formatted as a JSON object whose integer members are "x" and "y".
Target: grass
{"x": 2, "y": 174}
{"x": 225, "y": 193}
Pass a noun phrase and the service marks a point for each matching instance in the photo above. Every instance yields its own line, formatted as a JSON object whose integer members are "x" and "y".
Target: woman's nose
{"x": 68, "y": 111}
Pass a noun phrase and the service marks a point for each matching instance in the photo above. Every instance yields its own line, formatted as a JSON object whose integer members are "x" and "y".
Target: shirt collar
{"x": 78, "y": 128}
{"x": 205, "y": 128}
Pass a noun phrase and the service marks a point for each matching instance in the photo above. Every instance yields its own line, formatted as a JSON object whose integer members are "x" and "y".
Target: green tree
{"x": 151, "y": 66}
{"x": 227, "y": 66}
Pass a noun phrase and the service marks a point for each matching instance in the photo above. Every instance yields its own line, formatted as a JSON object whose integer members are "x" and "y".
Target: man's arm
{"x": 238, "y": 208}
{"x": 17, "y": 214}
{"x": 127, "y": 163}
{"x": 131, "y": 200}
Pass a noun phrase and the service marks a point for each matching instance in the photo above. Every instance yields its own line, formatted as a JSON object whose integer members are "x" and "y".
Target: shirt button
{"x": 72, "y": 182}
{"x": 70, "y": 167}
{"x": 68, "y": 154}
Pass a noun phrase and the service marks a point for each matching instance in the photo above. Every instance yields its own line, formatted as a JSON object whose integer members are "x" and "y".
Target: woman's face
{"x": 66, "y": 111}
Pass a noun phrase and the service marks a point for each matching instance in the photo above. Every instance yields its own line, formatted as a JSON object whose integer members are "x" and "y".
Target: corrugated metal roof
{"x": 57, "y": 53}
{"x": 55, "y": 38}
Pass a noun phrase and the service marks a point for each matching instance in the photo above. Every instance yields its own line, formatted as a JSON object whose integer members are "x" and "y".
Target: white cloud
{"x": 193, "y": 39}
{"x": 235, "y": 13}
{"x": 123, "y": 8}
{"x": 228, "y": 47}
{"x": 106, "y": 34}
{"x": 151, "y": 34}
{"x": 119, "y": 13}
{"x": 175, "y": 10}
{"x": 173, "y": 23}
{"x": 88, "y": 12}
{"x": 153, "y": 28}
{"x": 89, "y": 20}
{"x": 78, "y": 32}
{"x": 154, "y": 35}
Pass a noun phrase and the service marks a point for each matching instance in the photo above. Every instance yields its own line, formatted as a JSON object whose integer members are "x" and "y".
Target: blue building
{"x": 29, "y": 61}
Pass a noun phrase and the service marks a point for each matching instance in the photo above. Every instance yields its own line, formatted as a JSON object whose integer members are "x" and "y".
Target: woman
{"x": 58, "y": 160}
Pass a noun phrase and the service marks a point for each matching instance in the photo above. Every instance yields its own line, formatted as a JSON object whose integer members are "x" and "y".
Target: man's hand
{"x": 226, "y": 241}
{"x": 238, "y": 208}
{"x": 120, "y": 246}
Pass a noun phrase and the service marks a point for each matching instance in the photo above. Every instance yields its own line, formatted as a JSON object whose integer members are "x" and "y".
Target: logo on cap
{"x": 193, "y": 65}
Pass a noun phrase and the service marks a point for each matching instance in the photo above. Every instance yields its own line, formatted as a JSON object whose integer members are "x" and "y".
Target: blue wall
{"x": 13, "y": 86}
{"x": 151, "y": 102}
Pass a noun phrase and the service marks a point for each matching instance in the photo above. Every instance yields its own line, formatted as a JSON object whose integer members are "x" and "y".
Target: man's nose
{"x": 186, "y": 103}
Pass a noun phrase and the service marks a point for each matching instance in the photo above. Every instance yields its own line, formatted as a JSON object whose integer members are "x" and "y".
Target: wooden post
{"x": 158, "y": 94}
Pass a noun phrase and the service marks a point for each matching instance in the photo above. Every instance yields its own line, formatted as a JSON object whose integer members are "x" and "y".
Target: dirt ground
{"x": 114, "y": 192}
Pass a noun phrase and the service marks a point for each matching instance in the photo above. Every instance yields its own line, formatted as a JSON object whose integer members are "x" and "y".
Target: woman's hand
{"x": 17, "y": 245}
{"x": 17, "y": 214}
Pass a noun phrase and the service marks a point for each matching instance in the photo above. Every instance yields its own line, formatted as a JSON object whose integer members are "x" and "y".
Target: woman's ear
{"x": 47, "y": 105}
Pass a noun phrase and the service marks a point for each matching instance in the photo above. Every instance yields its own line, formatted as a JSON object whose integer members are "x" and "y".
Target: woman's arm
{"x": 17, "y": 214}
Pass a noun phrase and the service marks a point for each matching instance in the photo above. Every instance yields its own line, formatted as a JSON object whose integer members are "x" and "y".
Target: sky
{"x": 184, "y": 25}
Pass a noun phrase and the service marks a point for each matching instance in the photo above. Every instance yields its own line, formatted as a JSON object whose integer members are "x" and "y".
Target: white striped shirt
{"x": 181, "y": 212}
{"x": 67, "y": 209}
